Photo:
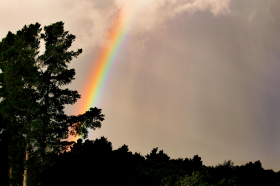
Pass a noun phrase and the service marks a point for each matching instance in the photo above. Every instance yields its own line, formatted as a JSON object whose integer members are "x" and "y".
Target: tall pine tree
{"x": 33, "y": 99}
{"x": 19, "y": 79}
{"x": 55, "y": 123}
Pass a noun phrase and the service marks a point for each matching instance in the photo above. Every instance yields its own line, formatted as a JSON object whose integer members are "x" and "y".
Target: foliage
{"x": 122, "y": 167}
{"x": 32, "y": 99}
{"x": 19, "y": 78}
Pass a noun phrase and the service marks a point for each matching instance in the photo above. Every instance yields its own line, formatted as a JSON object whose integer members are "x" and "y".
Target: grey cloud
{"x": 274, "y": 10}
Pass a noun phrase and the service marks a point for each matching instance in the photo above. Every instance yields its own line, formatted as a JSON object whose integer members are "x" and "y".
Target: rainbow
{"x": 103, "y": 63}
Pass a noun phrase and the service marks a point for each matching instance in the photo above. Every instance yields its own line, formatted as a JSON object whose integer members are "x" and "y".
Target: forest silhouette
{"x": 34, "y": 129}
{"x": 94, "y": 162}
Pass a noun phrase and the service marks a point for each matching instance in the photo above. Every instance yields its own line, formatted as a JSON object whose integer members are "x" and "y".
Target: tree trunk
{"x": 10, "y": 172}
{"x": 25, "y": 168}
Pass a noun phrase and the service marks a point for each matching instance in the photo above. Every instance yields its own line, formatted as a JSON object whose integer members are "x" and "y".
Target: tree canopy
{"x": 32, "y": 97}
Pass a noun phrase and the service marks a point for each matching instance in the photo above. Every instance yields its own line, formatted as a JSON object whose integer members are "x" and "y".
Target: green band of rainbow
{"x": 103, "y": 64}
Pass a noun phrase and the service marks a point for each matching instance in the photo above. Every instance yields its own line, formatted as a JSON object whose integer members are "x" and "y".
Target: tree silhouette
{"x": 196, "y": 162}
{"x": 89, "y": 163}
{"x": 19, "y": 79}
{"x": 33, "y": 100}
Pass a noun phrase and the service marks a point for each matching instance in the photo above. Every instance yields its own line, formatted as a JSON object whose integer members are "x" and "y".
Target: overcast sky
{"x": 192, "y": 77}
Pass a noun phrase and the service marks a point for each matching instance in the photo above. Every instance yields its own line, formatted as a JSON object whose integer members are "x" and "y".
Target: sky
{"x": 191, "y": 76}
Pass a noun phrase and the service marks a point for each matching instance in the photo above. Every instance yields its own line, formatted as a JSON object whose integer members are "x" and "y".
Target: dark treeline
{"x": 94, "y": 162}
